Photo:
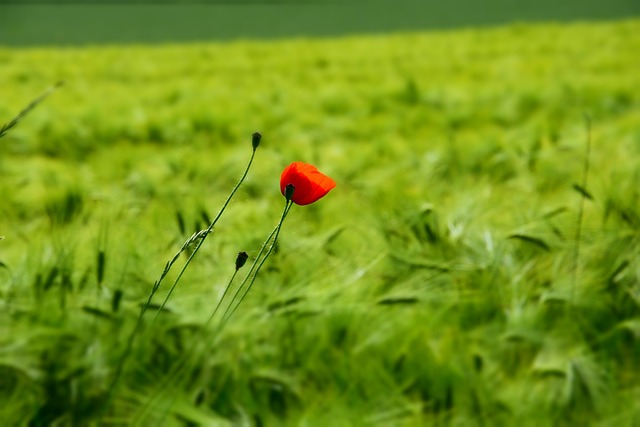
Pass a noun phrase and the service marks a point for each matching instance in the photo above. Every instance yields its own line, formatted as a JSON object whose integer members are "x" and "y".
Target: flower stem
{"x": 258, "y": 262}
{"x": 204, "y": 236}
{"x": 253, "y": 272}
{"x": 201, "y": 235}
{"x": 181, "y": 363}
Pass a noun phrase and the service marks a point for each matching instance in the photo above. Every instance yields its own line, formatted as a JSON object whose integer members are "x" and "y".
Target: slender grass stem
{"x": 183, "y": 362}
{"x": 224, "y": 294}
{"x": 227, "y": 314}
{"x": 201, "y": 236}
{"x": 204, "y": 236}
{"x": 6, "y": 127}
{"x": 253, "y": 272}
{"x": 253, "y": 266}
{"x": 585, "y": 175}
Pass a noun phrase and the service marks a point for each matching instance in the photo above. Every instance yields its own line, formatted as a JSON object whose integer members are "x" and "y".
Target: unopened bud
{"x": 288, "y": 191}
{"x": 241, "y": 259}
{"x": 255, "y": 139}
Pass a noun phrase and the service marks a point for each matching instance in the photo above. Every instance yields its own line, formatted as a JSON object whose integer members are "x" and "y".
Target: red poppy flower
{"x": 310, "y": 184}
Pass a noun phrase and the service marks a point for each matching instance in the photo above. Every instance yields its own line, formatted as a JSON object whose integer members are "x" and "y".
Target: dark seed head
{"x": 255, "y": 139}
{"x": 241, "y": 259}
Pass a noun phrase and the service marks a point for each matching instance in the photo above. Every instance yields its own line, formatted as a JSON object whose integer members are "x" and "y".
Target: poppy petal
{"x": 310, "y": 184}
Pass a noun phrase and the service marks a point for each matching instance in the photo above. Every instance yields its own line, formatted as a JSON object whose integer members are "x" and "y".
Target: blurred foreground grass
{"x": 437, "y": 283}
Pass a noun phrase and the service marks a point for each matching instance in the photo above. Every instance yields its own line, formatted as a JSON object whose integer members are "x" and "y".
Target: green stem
{"x": 202, "y": 235}
{"x": 253, "y": 266}
{"x": 227, "y": 315}
{"x": 33, "y": 104}
{"x": 183, "y": 362}
{"x": 224, "y": 294}
{"x": 257, "y": 264}
{"x": 206, "y": 233}
{"x": 585, "y": 175}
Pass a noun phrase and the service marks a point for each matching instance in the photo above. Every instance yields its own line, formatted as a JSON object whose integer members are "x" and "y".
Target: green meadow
{"x": 478, "y": 263}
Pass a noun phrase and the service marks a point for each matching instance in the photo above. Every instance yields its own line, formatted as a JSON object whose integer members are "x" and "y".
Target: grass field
{"x": 462, "y": 272}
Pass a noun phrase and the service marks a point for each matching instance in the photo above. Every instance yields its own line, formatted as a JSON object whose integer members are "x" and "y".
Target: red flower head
{"x": 310, "y": 184}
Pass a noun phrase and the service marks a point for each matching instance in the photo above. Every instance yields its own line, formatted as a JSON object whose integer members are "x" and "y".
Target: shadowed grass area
{"x": 438, "y": 283}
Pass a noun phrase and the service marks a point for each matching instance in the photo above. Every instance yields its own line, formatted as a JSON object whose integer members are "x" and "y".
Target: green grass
{"x": 438, "y": 283}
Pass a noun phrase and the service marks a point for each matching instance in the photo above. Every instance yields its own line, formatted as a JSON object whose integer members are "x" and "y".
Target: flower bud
{"x": 255, "y": 139}
{"x": 241, "y": 259}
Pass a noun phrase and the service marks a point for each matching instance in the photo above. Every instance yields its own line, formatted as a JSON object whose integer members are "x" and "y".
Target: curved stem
{"x": 253, "y": 272}
{"x": 253, "y": 266}
{"x": 274, "y": 233}
{"x": 202, "y": 236}
{"x": 183, "y": 362}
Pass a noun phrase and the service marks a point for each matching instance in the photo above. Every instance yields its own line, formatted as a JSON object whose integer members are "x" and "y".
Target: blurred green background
{"x": 67, "y": 22}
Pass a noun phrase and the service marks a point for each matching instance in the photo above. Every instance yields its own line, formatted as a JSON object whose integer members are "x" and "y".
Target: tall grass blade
{"x": 536, "y": 241}
{"x": 100, "y": 263}
{"x": 230, "y": 308}
{"x": 585, "y": 175}
{"x": 8, "y": 126}
{"x": 198, "y": 236}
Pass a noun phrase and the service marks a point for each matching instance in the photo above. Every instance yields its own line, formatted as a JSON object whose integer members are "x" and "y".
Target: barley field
{"x": 477, "y": 264}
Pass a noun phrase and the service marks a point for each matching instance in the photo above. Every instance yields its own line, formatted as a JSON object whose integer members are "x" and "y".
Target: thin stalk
{"x": 585, "y": 175}
{"x": 257, "y": 264}
{"x": 206, "y": 233}
{"x": 274, "y": 233}
{"x": 199, "y": 235}
{"x": 183, "y": 362}
{"x": 5, "y": 128}
{"x": 224, "y": 294}
{"x": 253, "y": 266}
